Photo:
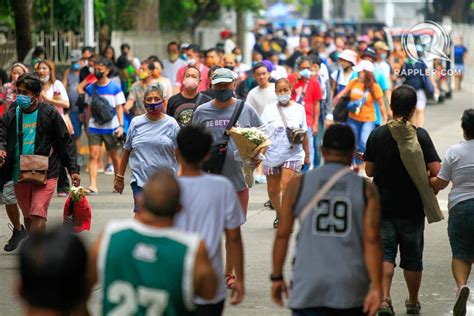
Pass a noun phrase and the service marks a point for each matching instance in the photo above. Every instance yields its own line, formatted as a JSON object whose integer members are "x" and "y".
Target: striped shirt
{"x": 114, "y": 95}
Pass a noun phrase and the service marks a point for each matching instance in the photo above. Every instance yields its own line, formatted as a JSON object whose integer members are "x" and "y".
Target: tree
{"x": 22, "y": 10}
{"x": 457, "y": 10}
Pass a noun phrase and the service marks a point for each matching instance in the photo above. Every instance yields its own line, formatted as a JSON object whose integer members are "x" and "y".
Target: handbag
{"x": 218, "y": 150}
{"x": 341, "y": 112}
{"x": 295, "y": 135}
{"x": 33, "y": 168}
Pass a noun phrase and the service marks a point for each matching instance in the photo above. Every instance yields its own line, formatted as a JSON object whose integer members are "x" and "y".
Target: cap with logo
{"x": 221, "y": 75}
{"x": 370, "y": 52}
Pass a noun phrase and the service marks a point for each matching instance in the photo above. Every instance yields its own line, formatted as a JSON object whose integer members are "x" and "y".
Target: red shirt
{"x": 313, "y": 94}
{"x": 203, "y": 84}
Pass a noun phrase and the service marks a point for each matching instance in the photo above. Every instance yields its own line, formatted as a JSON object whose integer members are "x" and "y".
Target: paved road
{"x": 438, "y": 289}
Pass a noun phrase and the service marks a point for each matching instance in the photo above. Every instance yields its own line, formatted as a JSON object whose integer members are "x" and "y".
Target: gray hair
{"x": 154, "y": 87}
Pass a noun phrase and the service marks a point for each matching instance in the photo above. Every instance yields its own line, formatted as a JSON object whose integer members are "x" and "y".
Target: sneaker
{"x": 17, "y": 237}
{"x": 460, "y": 306}
{"x": 261, "y": 179}
{"x": 109, "y": 170}
{"x": 413, "y": 308}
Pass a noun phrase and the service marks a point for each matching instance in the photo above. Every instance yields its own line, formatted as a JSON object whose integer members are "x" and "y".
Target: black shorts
{"x": 210, "y": 309}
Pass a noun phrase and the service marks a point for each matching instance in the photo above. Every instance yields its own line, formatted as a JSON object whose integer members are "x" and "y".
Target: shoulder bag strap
{"x": 235, "y": 116}
{"x": 303, "y": 94}
{"x": 199, "y": 97}
{"x": 322, "y": 192}
{"x": 20, "y": 131}
{"x": 282, "y": 115}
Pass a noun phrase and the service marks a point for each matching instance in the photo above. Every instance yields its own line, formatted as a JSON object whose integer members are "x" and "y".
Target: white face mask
{"x": 191, "y": 62}
{"x": 91, "y": 70}
{"x": 238, "y": 58}
{"x": 284, "y": 98}
{"x": 45, "y": 79}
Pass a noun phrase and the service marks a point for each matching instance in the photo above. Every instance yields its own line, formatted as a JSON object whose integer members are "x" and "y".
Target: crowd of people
{"x": 167, "y": 120}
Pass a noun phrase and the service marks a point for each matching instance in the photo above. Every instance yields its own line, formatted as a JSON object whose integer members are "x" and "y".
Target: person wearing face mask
{"x": 215, "y": 115}
{"x": 382, "y": 58}
{"x": 105, "y": 132}
{"x": 53, "y": 91}
{"x": 172, "y": 64}
{"x": 194, "y": 60}
{"x": 8, "y": 95}
{"x": 150, "y": 144}
{"x": 240, "y": 67}
{"x": 164, "y": 82}
{"x": 135, "y": 105}
{"x": 181, "y": 106}
{"x": 283, "y": 159}
{"x": 341, "y": 77}
{"x": 307, "y": 92}
{"x": 44, "y": 133}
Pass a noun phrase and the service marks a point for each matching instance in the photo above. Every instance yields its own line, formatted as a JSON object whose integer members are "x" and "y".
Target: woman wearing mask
{"x": 283, "y": 159}
{"x": 8, "y": 95}
{"x": 44, "y": 134}
{"x": 150, "y": 144}
{"x": 458, "y": 167}
{"x": 54, "y": 93}
{"x": 363, "y": 92}
{"x": 135, "y": 105}
{"x": 164, "y": 82}
{"x": 181, "y": 106}
{"x": 240, "y": 67}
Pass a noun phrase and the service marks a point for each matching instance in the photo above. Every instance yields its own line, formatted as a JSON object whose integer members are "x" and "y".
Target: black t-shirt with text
{"x": 182, "y": 108}
{"x": 399, "y": 197}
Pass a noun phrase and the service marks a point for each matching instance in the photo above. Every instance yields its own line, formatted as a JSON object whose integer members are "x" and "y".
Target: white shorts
{"x": 420, "y": 99}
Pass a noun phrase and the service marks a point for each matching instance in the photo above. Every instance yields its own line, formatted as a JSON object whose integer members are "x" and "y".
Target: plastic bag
{"x": 77, "y": 211}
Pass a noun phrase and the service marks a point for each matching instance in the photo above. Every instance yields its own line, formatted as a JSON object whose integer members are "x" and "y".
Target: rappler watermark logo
{"x": 426, "y": 41}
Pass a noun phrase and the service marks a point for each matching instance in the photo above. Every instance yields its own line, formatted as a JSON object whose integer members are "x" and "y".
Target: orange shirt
{"x": 367, "y": 111}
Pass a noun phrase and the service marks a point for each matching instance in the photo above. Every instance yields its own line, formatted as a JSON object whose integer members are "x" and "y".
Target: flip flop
{"x": 90, "y": 192}
{"x": 230, "y": 280}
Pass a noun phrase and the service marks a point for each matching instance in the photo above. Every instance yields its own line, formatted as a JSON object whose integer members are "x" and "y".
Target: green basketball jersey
{"x": 146, "y": 271}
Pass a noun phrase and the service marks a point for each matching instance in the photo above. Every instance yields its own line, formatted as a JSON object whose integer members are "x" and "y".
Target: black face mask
{"x": 223, "y": 95}
{"x": 230, "y": 67}
{"x": 99, "y": 75}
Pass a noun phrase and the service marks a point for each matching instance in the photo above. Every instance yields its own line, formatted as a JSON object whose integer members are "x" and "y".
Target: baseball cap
{"x": 370, "y": 52}
{"x": 349, "y": 55}
{"x": 364, "y": 65}
{"x": 222, "y": 75}
{"x": 381, "y": 45}
{"x": 75, "y": 55}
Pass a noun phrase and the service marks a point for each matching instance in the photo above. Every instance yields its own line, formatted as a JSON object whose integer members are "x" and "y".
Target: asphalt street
{"x": 437, "y": 290}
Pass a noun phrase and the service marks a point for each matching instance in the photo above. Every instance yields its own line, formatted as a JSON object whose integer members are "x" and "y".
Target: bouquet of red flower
{"x": 77, "y": 211}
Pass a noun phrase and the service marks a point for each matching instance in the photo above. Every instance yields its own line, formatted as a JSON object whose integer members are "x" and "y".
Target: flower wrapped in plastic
{"x": 250, "y": 142}
{"x": 77, "y": 211}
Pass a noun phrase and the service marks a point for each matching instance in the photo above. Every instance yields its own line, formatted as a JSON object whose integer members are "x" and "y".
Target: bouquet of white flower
{"x": 250, "y": 142}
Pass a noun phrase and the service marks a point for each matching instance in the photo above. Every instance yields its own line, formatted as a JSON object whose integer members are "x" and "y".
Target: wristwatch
{"x": 275, "y": 278}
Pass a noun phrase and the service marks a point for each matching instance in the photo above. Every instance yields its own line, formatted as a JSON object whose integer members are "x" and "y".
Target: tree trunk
{"x": 146, "y": 15}
{"x": 241, "y": 30}
{"x": 22, "y": 14}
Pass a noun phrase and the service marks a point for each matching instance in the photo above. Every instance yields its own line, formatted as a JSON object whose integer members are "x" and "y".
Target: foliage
{"x": 368, "y": 9}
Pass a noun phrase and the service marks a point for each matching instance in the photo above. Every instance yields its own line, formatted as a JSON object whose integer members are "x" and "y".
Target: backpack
{"x": 101, "y": 110}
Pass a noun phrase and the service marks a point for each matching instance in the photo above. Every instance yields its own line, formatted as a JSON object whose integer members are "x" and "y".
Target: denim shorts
{"x": 461, "y": 230}
{"x": 136, "y": 190}
{"x": 406, "y": 234}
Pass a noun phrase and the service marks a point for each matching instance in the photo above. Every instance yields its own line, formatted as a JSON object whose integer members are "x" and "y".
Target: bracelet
{"x": 119, "y": 176}
{"x": 276, "y": 278}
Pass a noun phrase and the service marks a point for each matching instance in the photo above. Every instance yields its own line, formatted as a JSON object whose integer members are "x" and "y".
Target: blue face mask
{"x": 305, "y": 73}
{"x": 23, "y": 101}
{"x": 76, "y": 66}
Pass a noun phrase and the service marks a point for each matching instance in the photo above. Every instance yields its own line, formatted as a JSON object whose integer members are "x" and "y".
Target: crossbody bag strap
{"x": 20, "y": 131}
{"x": 199, "y": 97}
{"x": 282, "y": 115}
{"x": 322, "y": 192}
{"x": 235, "y": 116}
{"x": 303, "y": 94}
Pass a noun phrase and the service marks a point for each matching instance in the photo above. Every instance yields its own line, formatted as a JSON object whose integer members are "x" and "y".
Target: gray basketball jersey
{"x": 329, "y": 267}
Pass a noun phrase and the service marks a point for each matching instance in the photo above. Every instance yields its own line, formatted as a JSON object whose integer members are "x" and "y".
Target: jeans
{"x": 361, "y": 131}
{"x": 461, "y": 230}
{"x": 317, "y": 143}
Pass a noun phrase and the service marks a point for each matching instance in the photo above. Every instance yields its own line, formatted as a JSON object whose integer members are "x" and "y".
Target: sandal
{"x": 276, "y": 222}
{"x": 413, "y": 308}
{"x": 90, "y": 192}
{"x": 230, "y": 280}
{"x": 268, "y": 204}
{"x": 386, "y": 310}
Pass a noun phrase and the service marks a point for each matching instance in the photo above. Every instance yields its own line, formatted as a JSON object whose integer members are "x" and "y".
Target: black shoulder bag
{"x": 101, "y": 110}
{"x": 219, "y": 148}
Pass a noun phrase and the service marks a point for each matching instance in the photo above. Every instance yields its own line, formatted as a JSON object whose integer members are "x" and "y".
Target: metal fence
{"x": 7, "y": 54}
{"x": 147, "y": 43}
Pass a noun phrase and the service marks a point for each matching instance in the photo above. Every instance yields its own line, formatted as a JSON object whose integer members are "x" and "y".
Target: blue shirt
{"x": 29, "y": 136}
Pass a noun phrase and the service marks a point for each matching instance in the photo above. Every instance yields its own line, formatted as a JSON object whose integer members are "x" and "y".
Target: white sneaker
{"x": 260, "y": 179}
{"x": 109, "y": 170}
